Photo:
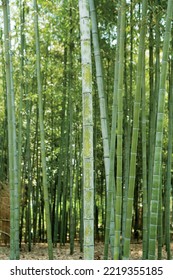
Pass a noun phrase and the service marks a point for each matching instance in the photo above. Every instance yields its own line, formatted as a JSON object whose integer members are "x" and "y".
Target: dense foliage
{"x": 132, "y": 109}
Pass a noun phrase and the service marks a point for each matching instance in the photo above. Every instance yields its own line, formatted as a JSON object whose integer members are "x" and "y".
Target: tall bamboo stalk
{"x": 101, "y": 90}
{"x": 88, "y": 176}
{"x": 12, "y": 146}
{"x": 42, "y": 137}
{"x": 169, "y": 163}
{"x": 156, "y": 187}
{"x": 111, "y": 189}
{"x": 135, "y": 130}
{"x": 119, "y": 173}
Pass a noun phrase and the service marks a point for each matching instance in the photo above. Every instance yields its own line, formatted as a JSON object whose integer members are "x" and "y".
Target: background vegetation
{"x": 86, "y": 98}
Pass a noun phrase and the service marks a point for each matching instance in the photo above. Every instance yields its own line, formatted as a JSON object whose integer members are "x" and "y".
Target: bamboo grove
{"x": 86, "y": 113}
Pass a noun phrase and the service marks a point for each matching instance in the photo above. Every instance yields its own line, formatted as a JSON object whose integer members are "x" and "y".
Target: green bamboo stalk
{"x": 41, "y": 123}
{"x": 65, "y": 182}
{"x": 169, "y": 164}
{"x": 111, "y": 183}
{"x": 101, "y": 90}
{"x": 4, "y": 144}
{"x": 119, "y": 173}
{"x": 128, "y": 114}
{"x": 103, "y": 113}
{"x": 19, "y": 139}
{"x": 28, "y": 171}
{"x": 144, "y": 171}
{"x": 160, "y": 227}
{"x": 88, "y": 177}
{"x": 153, "y": 102}
{"x": 136, "y": 111}
{"x": 156, "y": 187}
{"x": 61, "y": 154}
{"x": 71, "y": 156}
{"x": 12, "y": 146}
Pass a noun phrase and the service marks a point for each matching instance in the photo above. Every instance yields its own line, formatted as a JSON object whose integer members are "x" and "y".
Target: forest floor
{"x": 40, "y": 252}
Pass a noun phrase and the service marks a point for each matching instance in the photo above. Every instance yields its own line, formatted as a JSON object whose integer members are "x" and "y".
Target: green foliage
{"x": 61, "y": 79}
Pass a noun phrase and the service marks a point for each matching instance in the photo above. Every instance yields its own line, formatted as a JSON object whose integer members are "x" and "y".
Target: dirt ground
{"x": 40, "y": 252}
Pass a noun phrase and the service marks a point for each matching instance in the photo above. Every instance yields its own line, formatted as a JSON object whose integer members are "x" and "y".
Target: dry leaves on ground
{"x": 40, "y": 252}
